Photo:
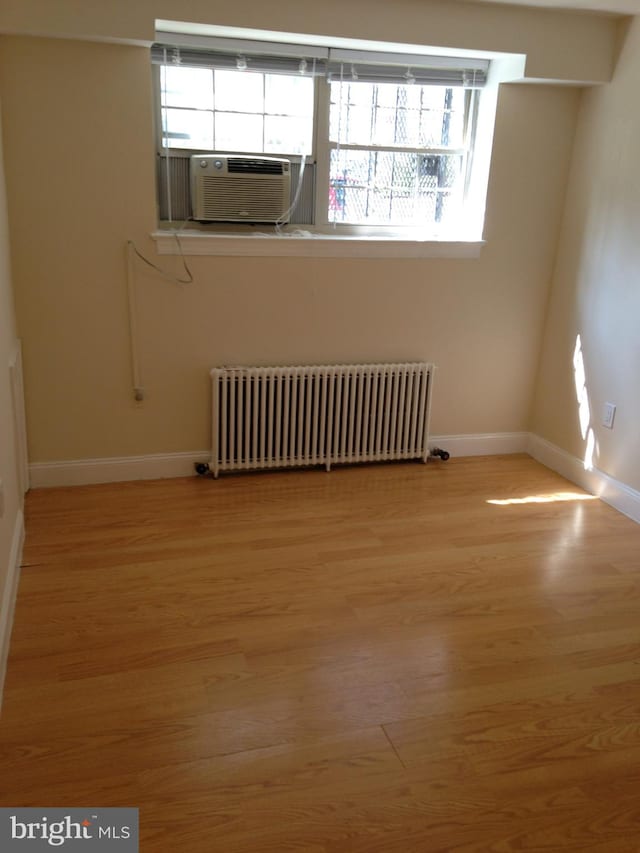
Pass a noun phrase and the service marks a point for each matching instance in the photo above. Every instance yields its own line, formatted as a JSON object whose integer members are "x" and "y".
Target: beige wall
{"x": 8, "y": 461}
{"x": 560, "y": 45}
{"x": 79, "y": 151}
{"x": 80, "y": 162}
{"x": 596, "y": 286}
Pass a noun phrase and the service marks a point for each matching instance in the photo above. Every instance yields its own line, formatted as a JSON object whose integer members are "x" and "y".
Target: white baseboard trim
{"x": 8, "y": 600}
{"x": 82, "y": 472}
{"x": 617, "y": 494}
{"x": 483, "y": 444}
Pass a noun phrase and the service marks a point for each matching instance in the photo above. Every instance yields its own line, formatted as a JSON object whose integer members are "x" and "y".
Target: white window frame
{"x": 325, "y": 145}
{"x": 481, "y": 121}
{"x": 320, "y": 156}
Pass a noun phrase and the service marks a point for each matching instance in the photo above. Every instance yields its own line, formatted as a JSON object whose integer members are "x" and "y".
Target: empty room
{"x": 319, "y": 470}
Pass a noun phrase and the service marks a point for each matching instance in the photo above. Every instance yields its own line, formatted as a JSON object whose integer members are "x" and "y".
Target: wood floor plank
{"x": 380, "y": 660}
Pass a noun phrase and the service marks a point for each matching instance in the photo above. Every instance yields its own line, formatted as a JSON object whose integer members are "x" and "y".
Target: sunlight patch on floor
{"x": 545, "y": 499}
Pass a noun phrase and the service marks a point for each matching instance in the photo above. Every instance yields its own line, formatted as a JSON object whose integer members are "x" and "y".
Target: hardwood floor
{"x": 375, "y": 660}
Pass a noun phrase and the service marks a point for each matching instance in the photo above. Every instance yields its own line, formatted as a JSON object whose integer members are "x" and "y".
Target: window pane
{"x": 393, "y": 188}
{"x": 431, "y": 97}
{"x": 386, "y": 94}
{"x": 188, "y": 128}
{"x": 285, "y": 135}
{"x": 403, "y": 210}
{"x": 241, "y": 99}
{"x": 442, "y": 118}
{"x": 387, "y": 114}
{"x": 407, "y": 127}
{"x": 439, "y": 170}
{"x": 456, "y": 124}
{"x": 241, "y": 91}
{"x": 186, "y": 87}
{"x": 431, "y": 128}
{"x": 239, "y": 132}
{"x": 384, "y": 126}
{"x": 357, "y": 126}
{"x": 289, "y": 96}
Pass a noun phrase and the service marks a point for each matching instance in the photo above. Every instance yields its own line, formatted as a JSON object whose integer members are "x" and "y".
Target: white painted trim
{"x": 617, "y": 494}
{"x": 79, "y": 472}
{"x": 20, "y": 421}
{"x": 8, "y": 601}
{"x": 313, "y": 246}
{"x": 482, "y": 444}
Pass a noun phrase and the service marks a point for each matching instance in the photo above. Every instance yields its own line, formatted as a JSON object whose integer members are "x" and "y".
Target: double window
{"x": 385, "y": 141}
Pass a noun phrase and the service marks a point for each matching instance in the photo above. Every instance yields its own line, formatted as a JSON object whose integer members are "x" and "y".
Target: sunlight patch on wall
{"x": 584, "y": 408}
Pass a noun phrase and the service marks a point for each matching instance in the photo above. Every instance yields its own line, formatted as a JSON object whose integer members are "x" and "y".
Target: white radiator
{"x": 276, "y": 417}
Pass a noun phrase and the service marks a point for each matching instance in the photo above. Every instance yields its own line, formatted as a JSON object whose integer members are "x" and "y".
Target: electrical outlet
{"x": 608, "y": 414}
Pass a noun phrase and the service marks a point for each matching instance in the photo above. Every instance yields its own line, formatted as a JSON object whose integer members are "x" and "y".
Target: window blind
{"x": 336, "y": 64}
{"x": 244, "y": 57}
{"x": 370, "y": 67}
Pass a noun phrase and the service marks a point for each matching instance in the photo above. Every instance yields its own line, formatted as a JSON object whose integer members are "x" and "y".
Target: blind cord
{"x": 165, "y": 139}
{"x": 284, "y": 217}
{"x": 340, "y": 107}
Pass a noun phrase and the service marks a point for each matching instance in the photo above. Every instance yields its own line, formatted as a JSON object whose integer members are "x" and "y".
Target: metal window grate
{"x": 390, "y": 187}
{"x": 399, "y": 153}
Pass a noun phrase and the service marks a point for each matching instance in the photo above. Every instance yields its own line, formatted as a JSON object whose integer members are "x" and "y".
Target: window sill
{"x": 310, "y": 245}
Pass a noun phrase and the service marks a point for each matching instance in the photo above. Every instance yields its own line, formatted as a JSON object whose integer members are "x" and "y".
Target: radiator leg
{"x": 328, "y": 467}
{"x": 439, "y": 452}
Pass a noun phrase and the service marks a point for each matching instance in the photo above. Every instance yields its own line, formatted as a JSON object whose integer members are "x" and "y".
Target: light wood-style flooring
{"x": 375, "y": 660}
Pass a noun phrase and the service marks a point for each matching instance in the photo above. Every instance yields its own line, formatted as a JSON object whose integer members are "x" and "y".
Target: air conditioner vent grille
{"x": 255, "y": 166}
{"x": 250, "y": 199}
{"x": 239, "y": 188}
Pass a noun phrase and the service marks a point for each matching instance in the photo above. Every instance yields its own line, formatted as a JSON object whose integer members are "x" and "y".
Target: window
{"x": 398, "y": 153}
{"x": 386, "y": 141}
{"x": 243, "y": 111}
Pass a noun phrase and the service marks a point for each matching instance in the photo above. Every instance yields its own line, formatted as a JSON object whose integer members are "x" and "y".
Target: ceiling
{"x": 616, "y": 7}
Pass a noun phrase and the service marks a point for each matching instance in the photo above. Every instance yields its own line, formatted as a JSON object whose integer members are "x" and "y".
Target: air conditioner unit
{"x": 239, "y": 188}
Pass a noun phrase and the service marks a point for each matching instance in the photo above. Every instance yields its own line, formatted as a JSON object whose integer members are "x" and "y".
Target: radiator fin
{"x": 276, "y": 417}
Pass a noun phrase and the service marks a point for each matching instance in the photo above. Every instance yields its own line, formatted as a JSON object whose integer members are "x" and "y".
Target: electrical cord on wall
{"x": 174, "y": 279}
{"x": 132, "y": 252}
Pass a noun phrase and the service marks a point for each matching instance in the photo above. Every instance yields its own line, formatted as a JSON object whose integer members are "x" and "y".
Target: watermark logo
{"x": 112, "y": 830}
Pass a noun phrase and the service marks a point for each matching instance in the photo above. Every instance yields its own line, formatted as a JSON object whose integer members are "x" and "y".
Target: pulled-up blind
{"x": 266, "y": 57}
{"x": 336, "y": 64}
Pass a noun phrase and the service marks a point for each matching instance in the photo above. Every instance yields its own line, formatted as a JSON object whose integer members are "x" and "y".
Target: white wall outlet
{"x": 608, "y": 414}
